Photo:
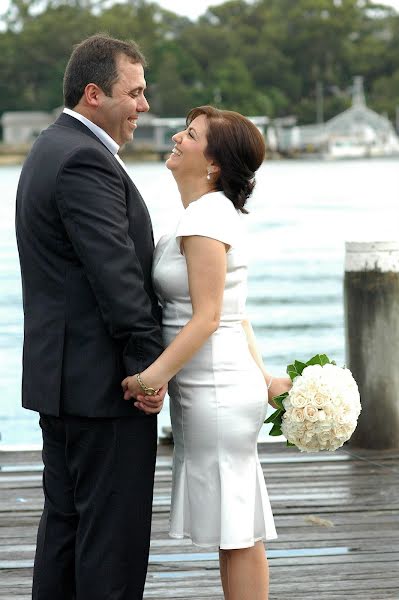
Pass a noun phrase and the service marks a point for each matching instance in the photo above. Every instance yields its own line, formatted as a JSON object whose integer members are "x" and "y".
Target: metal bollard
{"x": 371, "y": 298}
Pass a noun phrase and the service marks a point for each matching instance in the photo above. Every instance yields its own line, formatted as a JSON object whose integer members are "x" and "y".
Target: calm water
{"x": 301, "y": 214}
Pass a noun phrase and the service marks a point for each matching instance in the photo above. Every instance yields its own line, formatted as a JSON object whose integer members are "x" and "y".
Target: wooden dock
{"x": 337, "y": 516}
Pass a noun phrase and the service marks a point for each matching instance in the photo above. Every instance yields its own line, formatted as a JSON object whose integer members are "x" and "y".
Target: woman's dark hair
{"x": 94, "y": 61}
{"x": 238, "y": 148}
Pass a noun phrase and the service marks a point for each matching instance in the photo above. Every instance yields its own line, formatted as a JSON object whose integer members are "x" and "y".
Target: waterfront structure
{"x": 165, "y": 128}
{"x": 23, "y": 127}
{"x": 356, "y": 132}
{"x": 154, "y": 134}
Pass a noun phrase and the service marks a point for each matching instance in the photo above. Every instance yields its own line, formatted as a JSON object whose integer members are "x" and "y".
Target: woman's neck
{"x": 192, "y": 190}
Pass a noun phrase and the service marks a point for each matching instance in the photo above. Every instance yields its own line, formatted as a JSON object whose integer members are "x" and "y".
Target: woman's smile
{"x": 176, "y": 151}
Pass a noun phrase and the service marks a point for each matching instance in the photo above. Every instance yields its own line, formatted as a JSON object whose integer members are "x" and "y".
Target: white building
{"x": 153, "y": 133}
{"x": 21, "y": 127}
{"x": 356, "y": 132}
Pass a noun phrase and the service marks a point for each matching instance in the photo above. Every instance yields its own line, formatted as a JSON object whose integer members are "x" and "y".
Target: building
{"x": 154, "y": 134}
{"x": 356, "y": 132}
{"x": 22, "y": 127}
{"x": 165, "y": 128}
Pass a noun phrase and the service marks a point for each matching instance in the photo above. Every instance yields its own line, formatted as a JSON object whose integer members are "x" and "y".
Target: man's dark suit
{"x": 91, "y": 318}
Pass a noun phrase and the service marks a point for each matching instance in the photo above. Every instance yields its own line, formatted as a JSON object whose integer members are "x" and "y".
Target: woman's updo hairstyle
{"x": 237, "y": 147}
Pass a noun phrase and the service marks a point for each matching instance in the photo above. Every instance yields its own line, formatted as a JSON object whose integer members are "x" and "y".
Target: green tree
{"x": 171, "y": 97}
{"x": 35, "y": 58}
{"x": 255, "y": 56}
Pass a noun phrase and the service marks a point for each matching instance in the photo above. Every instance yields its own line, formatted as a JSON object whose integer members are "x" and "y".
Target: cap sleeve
{"x": 216, "y": 219}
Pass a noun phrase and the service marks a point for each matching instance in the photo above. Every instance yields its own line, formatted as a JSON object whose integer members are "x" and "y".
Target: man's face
{"x": 118, "y": 114}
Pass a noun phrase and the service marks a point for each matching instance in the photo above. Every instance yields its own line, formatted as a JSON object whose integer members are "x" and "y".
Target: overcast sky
{"x": 188, "y": 8}
{"x": 194, "y": 8}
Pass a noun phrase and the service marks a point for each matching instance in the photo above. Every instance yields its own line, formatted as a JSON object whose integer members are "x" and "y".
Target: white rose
{"x": 311, "y": 413}
{"x": 335, "y": 444}
{"x": 343, "y": 432}
{"x": 312, "y": 371}
{"x": 337, "y": 400}
{"x": 308, "y": 436}
{"x": 298, "y": 415}
{"x": 344, "y": 418}
{"x": 330, "y": 413}
{"x": 322, "y": 415}
{"x": 298, "y": 400}
{"x": 291, "y": 430}
{"x": 321, "y": 398}
{"x": 307, "y": 387}
{"x": 311, "y": 446}
{"x": 324, "y": 437}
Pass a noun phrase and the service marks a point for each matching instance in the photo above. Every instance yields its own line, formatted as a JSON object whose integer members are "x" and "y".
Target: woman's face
{"x": 187, "y": 159}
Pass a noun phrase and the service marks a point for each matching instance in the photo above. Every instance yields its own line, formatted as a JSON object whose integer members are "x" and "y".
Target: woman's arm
{"x": 206, "y": 267}
{"x": 254, "y": 349}
{"x": 275, "y": 385}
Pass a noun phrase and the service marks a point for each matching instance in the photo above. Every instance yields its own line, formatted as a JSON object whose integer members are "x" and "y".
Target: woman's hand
{"x": 150, "y": 405}
{"x": 279, "y": 386}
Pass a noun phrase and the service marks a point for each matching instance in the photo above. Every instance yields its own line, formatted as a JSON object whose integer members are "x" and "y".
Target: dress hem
{"x": 237, "y": 546}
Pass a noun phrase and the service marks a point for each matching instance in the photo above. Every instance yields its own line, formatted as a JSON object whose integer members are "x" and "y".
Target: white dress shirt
{"x": 102, "y": 135}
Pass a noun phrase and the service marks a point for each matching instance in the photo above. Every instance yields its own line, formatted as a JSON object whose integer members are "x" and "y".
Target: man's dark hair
{"x": 94, "y": 61}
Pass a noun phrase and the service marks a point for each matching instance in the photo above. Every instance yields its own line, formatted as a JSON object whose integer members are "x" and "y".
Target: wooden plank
{"x": 337, "y": 517}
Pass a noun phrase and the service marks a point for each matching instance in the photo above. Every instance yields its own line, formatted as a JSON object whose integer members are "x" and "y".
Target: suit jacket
{"x": 85, "y": 244}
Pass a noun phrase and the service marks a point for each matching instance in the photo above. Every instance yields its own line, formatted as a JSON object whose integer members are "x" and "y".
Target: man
{"x": 91, "y": 318}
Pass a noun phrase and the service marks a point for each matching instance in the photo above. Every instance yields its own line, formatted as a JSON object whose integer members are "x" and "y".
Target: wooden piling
{"x": 371, "y": 298}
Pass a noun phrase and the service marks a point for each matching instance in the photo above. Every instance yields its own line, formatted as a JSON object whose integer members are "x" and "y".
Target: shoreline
{"x": 16, "y": 159}
{"x": 11, "y": 160}
{"x": 12, "y": 155}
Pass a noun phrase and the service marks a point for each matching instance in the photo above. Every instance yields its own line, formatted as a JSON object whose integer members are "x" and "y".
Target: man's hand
{"x": 150, "y": 405}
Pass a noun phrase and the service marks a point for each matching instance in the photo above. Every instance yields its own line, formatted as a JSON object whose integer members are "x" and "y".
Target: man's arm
{"x": 90, "y": 196}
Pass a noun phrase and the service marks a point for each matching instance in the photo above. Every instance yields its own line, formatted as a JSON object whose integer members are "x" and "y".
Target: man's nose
{"x": 143, "y": 106}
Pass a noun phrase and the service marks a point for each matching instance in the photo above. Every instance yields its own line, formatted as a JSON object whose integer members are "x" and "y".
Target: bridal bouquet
{"x": 321, "y": 409}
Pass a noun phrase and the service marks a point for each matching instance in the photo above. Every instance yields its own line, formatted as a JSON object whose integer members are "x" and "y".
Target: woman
{"x": 218, "y": 385}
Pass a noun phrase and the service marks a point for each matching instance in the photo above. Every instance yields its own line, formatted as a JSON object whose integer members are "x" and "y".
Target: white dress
{"x": 218, "y": 401}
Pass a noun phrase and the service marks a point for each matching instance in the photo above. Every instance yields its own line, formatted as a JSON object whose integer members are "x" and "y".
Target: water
{"x": 301, "y": 214}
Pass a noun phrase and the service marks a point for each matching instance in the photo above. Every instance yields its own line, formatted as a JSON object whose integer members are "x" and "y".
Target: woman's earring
{"x": 208, "y": 176}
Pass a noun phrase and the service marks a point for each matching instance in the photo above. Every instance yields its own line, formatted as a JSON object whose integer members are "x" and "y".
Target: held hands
{"x": 150, "y": 405}
{"x": 279, "y": 386}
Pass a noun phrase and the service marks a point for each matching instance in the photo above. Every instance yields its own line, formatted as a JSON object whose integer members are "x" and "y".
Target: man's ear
{"x": 92, "y": 95}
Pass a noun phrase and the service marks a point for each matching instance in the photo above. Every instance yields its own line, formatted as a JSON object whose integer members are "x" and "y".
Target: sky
{"x": 188, "y": 8}
{"x": 194, "y": 8}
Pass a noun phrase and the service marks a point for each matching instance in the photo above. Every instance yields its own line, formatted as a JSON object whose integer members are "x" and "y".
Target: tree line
{"x": 262, "y": 57}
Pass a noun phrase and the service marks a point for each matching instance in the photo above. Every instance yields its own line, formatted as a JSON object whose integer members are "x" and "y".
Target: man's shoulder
{"x": 60, "y": 142}
{"x": 72, "y": 132}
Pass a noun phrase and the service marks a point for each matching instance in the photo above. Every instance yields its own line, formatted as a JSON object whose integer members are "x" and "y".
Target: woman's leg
{"x": 247, "y": 573}
{"x": 223, "y": 559}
